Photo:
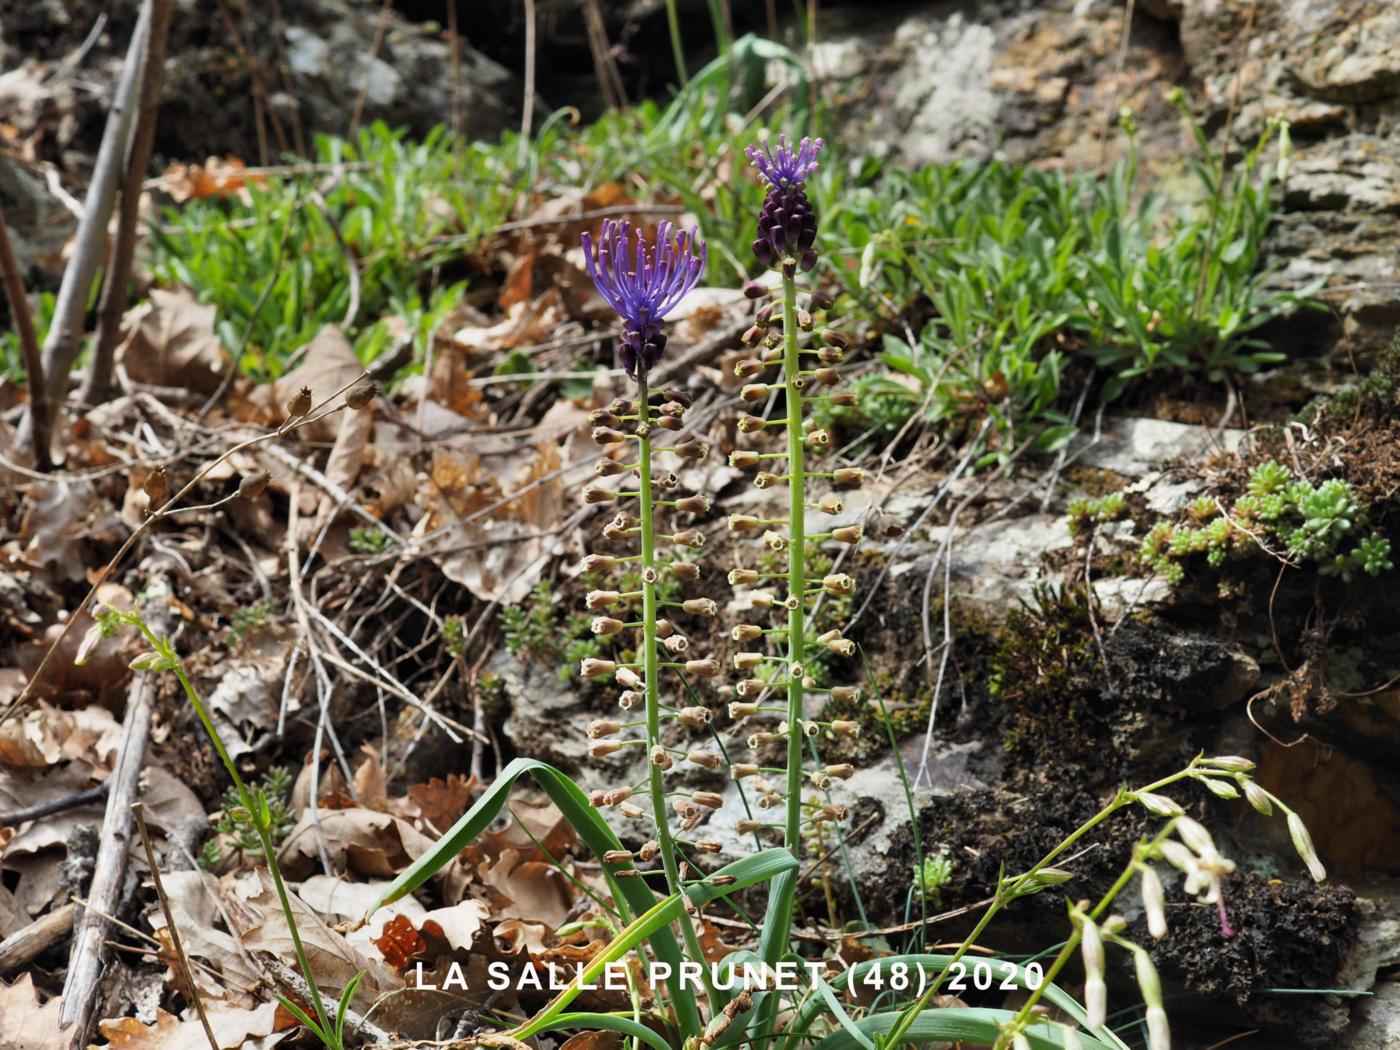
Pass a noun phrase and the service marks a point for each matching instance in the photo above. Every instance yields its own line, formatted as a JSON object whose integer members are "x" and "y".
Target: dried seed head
{"x": 751, "y": 687}
{"x": 603, "y": 748}
{"x": 695, "y": 717}
{"x": 763, "y": 479}
{"x": 820, "y": 438}
{"x": 700, "y": 606}
{"x": 848, "y": 477}
{"x": 837, "y": 813}
{"x": 704, "y": 759}
{"x": 842, "y": 646}
{"x": 743, "y": 523}
{"x": 702, "y": 668}
{"x": 686, "y": 571}
{"x": 687, "y": 810}
{"x": 592, "y": 667}
{"x": 743, "y": 578}
{"x": 820, "y": 779}
{"x": 744, "y": 632}
{"x": 747, "y": 661}
{"x": 772, "y": 801}
{"x": 629, "y": 679}
{"x": 301, "y": 404}
{"x": 666, "y": 480}
{"x": 749, "y": 424}
{"x": 758, "y": 740}
{"x": 660, "y": 758}
{"x": 253, "y": 485}
{"x": 595, "y": 600}
{"x": 847, "y": 534}
{"x": 362, "y": 396}
{"x": 708, "y": 799}
{"x": 597, "y": 729}
{"x": 676, "y": 644}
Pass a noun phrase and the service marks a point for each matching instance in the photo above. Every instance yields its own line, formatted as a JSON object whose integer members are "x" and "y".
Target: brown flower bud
{"x": 301, "y": 404}
{"x": 753, "y": 393}
{"x": 603, "y": 748}
{"x": 804, "y": 320}
{"x": 827, "y": 376}
{"x": 607, "y": 436}
{"x": 601, "y": 417}
{"x": 597, "y": 729}
{"x": 752, "y": 336}
{"x": 844, "y": 771}
{"x": 831, "y": 337}
{"x": 692, "y": 538}
{"x": 617, "y": 856}
{"x": 763, "y": 479}
{"x": 843, "y": 399}
{"x": 669, "y": 422}
{"x": 362, "y": 396}
{"x": 692, "y": 449}
{"x": 700, "y": 606}
{"x": 595, "y": 668}
{"x": 751, "y": 687}
{"x": 747, "y": 661}
{"x": 748, "y": 367}
{"x": 697, "y": 504}
{"x": 596, "y": 600}
{"x": 743, "y": 523}
{"x": 751, "y": 424}
{"x": 744, "y": 459}
{"x": 702, "y": 668}
{"x": 848, "y": 477}
{"x": 664, "y": 628}
{"x": 822, "y": 300}
{"x": 606, "y": 625}
{"x": 687, "y": 571}
{"x": 695, "y": 717}
{"x": 598, "y": 563}
{"x": 598, "y": 494}
{"x": 830, "y": 355}
{"x": 253, "y": 485}
{"x": 704, "y": 759}
{"x": 628, "y": 678}
{"x": 708, "y": 799}
{"x": 608, "y": 468}
{"x": 847, "y": 534}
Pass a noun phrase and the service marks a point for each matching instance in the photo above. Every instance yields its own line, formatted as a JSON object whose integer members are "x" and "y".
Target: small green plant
{"x": 1084, "y": 512}
{"x": 1293, "y": 519}
{"x": 370, "y": 541}
{"x": 235, "y": 823}
{"x": 250, "y": 619}
{"x": 931, "y": 876}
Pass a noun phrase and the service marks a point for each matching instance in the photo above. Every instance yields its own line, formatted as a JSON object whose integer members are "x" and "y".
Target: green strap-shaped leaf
{"x": 608, "y": 1023}
{"x": 632, "y": 894}
{"x": 954, "y": 1025}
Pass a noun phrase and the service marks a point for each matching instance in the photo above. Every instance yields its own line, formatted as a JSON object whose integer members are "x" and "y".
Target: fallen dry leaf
{"x": 26, "y": 1024}
{"x": 216, "y": 177}
{"x": 363, "y": 841}
{"x": 194, "y": 901}
{"x": 233, "y": 1026}
{"x": 329, "y": 364}
{"x": 171, "y": 341}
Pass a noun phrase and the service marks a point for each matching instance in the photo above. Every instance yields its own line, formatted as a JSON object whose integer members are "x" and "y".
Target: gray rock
{"x": 1133, "y": 447}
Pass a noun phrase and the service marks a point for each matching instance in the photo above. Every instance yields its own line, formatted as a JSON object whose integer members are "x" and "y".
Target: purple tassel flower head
{"x": 645, "y": 285}
{"x": 787, "y": 225}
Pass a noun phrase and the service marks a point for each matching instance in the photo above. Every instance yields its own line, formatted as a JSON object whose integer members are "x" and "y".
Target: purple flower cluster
{"x": 787, "y": 225}
{"x": 646, "y": 285}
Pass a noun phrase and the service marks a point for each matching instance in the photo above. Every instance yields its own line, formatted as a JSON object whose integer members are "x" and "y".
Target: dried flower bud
{"x": 744, "y": 632}
{"x": 837, "y": 813}
{"x": 831, "y": 337}
{"x": 687, "y": 810}
{"x": 629, "y": 679}
{"x": 704, "y": 759}
{"x": 827, "y": 376}
{"x": 708, "y": 799}
{"x": 608, "y": 468}
{"x": 301, "y": 404}
{"x": 846, "y": 693}
{"x": 155, "y": 487}
{"x": 617, "y": 856}
{"x": 253, "y": 485}
{"x": 595, "y": 668}
{"x": 755, "y": 289}
{"x": 708, "y": 846}
{"x": 362, "y": 396}
{"x": 747, "y": 827}
{"x": 747, "y": 661}
{"x": 598, "y": 563}
{"x": 692, "y": 448}
{"x": 820, "y": 779}
{"x": 847, "y": 534}
{"x": 676, "y": 644}
{"x": 753, "y": 393}
{"x": 743, "y": 523}
{"x": 761, "y": 600}
{"x": 697, "y": 504}
{"x": 831, "y": 355}
{"x": 660, "y": 757}
{"x": 603, "y": 748}
{"x": 842, "y": 646}
{"x": 601, "y": 417}
{"x": 664, "y": 628}
{"x": 649, "y": 851}
{"x": 595, "y": 600}
{"x": 598, "y": 799}
{"x": 845, "y": 728}
{"x": 839, "y": 584}
{"x": 748, "y": 367}
{"x": 669, "y": 422}
{"x": 1154, "y": 902}
{"x": 848, "y": 477}
{"x": 700, "y": 606}
{"x": 739, "y": 710}
{"x": 607, "y": 436}
{"x": 598, "y": 494}
{"x": 772, "y": 801}
{"x": 751, "y": 687}
{"x": 831, "y": 505}
{"x": 763, "y": 479}
{"x": 743, "y": 578}
{"x": 753, "y": 335}
{"x": 686, "y": 571}
{"x": 843, "y": 771}
{"x": 597, "y": 729}
{"x": 1159, "y": 805}
{"x": 842, "y": 399}
{"x": 692, "y": 538}
{"x": 619, "y": 796}
{"x": 695, "y": 717}
{"x": 1302, "y": 842}
{"x": 702, "y": 668}
{"x": 666, "y": 480}
{"x": 751, "y": 424}
{"x": 804, "y": 320}
{"x": 632, "y": 812}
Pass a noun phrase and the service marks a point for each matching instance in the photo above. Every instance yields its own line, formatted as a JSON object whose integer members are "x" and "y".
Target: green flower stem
{"x": 259, "y": 821}
{"x": 1009, "y": 890}
{"x": 651, "y": 672}
{"x": 673, "y": 23}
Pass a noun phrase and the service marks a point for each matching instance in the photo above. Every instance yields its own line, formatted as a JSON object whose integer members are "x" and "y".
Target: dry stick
{"x": 355, "y": 1023}
{"x": 23, "y": 321}
{"x": 138, "y": 811}
{"x": 527, "y": 116}
{"x": 375, "y": 45}
{"x": 22, "y": 947}
{"x": 317, "y": 412}
{"x": 80, "y": 990}
{"x": 97, "y": 387}
{"x": 16, "y": 817}
{"x": 65, "y": 333}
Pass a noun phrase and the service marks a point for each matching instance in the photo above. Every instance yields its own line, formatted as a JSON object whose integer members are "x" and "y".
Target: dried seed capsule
{"x": 704, "y": 759}
{"x": 744, "y": 459}
{"x": 743, "y": 523}
{"x": 747, "y": 827}
{"x": 841, "y": 646}
{"x": 649, "y": 850}
{"x": 820, "y": 438}
{"x": 847, "y": 534}
{"x": 603, "y": 748}
{"x": 741, "y": 770}
{"x": 827, "y": 376}
{"x": 601, "y": 417}
{"x": 695, "y": 717}
{"x": 845, "y": 728}
{"x": 702, "y": 668}
{"x": 597, "y": 729}
{"x": 628, "y": 678}
{"x": 831, "y": 337}
{"x": 751, "y": 424}
{"x": 708, "y": 799}
{"x": 598, "y": 799}
{"x": 608, "y": 468}
{"x": 843, "y": 771}
{"x": 843, "y": 399}
{"x": 748, "y": 367}
{"x": 595, "y": 668}
{"x": 629, "y": 700}
{"x": 362, "y": 396}
{"x": 660, "y": 757}
{"x": 831, "y": 505}
{"x": 820, "y": 780}
{"x": 598, "y": 494}
{"x": 676, "y": 644}
{"x": 709, "y": 846}
{"x": 775, "y": 541}
{"x": 598, "y": 563}
{"x": 596, "y": 600}
{"x": 758, "y": 740}
{"x": 697, "y": 504}
{"x": 692, "y": 449}
{"x": 631, "y": 812}
{"x": 764, "y": 480}
{"x": 753, "y": 393}
{"x": 606, "y": 625}
{"x": 692, "y": 538}
{"x": 839, "y": 584}
{"x": 743, "y": 578}
{"x": 607, "y": 436}
{"x": 738, "y": 710}
{"x": 686, "y": 571}
{"x": 666, "y": 480}
{"x": 700, "y": 606}
{"x": 301, "y": 404}
{"x": 804, "y": 320}
{"x": 848, "y": 477}
{"x": 744, "y": 632}
{"x": 751, "y": 687}
{"x": 664, "y": 628}
{"x": 747, "y": 661}
{"x": 253, "y": 485}
{"x": 617, "y": 856}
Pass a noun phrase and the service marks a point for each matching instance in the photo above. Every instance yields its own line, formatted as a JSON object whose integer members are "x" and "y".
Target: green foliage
{"x": 535, "y": 630}
{"x": 370, "y": 541}
{"x": 235, "y": 823}
{"x": 11, "y": 358}
{"x": 1084, "y": 512}
{"x": 932, "y": 875}
{"x": 250, "y": 619}
{"x": 1294, "y": 519}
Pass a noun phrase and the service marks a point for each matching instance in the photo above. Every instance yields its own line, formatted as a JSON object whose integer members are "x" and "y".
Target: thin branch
{"x": 20, "y": 317}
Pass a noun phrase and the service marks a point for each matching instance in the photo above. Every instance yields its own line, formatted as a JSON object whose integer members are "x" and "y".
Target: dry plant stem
{"x": 23, "y": 946}
{"x": 1007, "y": 892}
{"x": 374, "y": 47}
{"x": 65, "y": 334}
{"x": 16, "y": 817}
{"x": 138, "y": 811}
{"x": 80, "y": 987}
{"x": 354, "y": 1022}
{"x": 317, "y": 412}
{"x": 651, "y": 672}
{"x": 23, "y": 321}
{"x": 97, "y": 386}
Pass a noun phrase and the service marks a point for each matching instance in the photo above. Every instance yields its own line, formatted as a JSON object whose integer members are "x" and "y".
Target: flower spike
{"x": 645, "y": 284}
{"x": 787, "y": 225}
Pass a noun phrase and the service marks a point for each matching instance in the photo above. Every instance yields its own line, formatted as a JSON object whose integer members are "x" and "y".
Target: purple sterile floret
{"x": 645, "y": 285}
{"x": 787, "y": 225}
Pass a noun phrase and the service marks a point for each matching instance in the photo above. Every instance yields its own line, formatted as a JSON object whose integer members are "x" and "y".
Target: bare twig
{"x": 527, "y": 115}
{"x": 25, "y": 945}
{"x": 20, "y": 317}
{"x": 64, "y": 338}
{"x": 81, "y": 997}
{"x": 292, "y": 982}
{"x": 110, "y": 309}
{"x": 16, "y": 817}
{"x": 138, "y": 811}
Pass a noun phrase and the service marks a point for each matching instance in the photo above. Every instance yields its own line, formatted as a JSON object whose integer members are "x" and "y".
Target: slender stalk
{"x": 650, "y": 672}
{"x": 23, "y": 323}
{"x": 674, "y": 24}
{"x": 245, "y": 796}
{"x": 797, "y": 569}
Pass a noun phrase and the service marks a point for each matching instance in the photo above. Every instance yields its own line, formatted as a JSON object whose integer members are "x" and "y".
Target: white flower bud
{"x": 1258, "y": 798}
{"x": 1159, "y": 804}
{"x": 1302, "y": 842}
{"x": 1154, "y": 902}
